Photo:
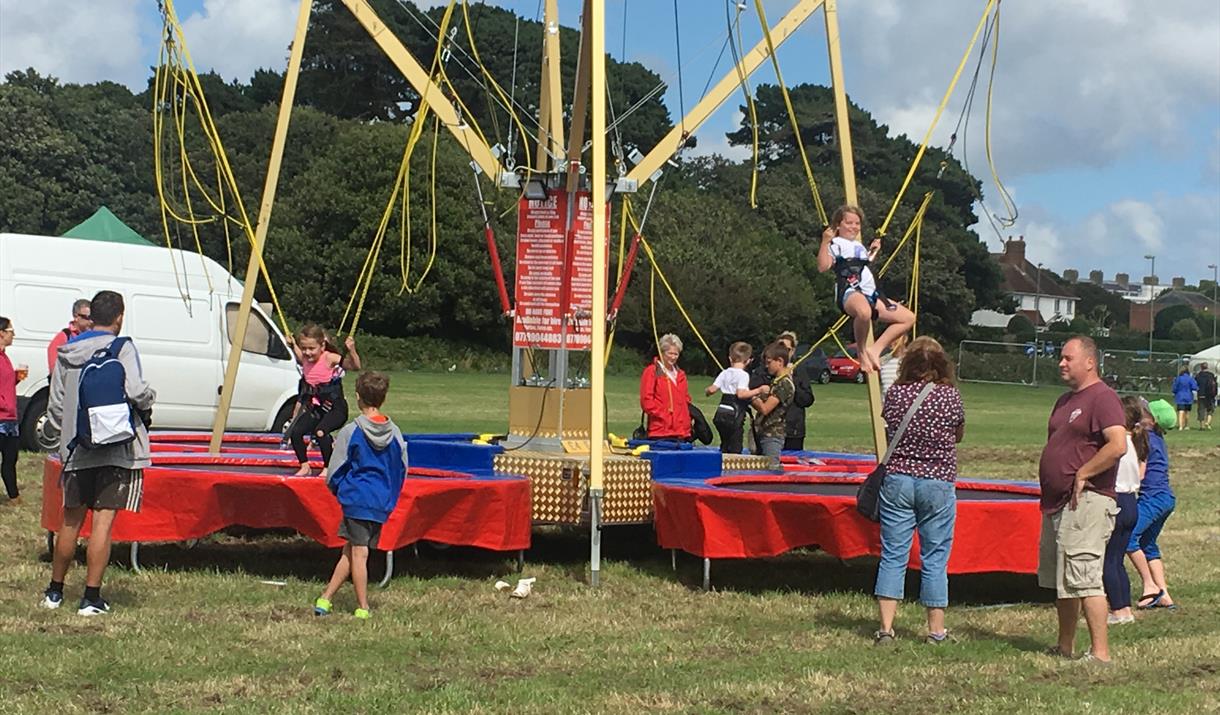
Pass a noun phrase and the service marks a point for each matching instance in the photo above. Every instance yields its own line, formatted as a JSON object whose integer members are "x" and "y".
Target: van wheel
{"x": 32, "y": 424}
{"x": 283, "y": 417}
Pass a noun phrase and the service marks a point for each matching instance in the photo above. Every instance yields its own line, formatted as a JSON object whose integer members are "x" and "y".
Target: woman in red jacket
{"x": 663, "y": 394}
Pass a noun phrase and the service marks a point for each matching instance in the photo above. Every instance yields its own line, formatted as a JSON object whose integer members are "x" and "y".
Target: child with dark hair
{"x": 772, "y": 408}
{"x": 1126, "y": 488}
{"x": 321, "y": 406}
{"x": 366, "y": 475}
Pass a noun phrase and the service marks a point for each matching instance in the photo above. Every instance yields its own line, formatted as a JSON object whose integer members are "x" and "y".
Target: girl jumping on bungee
{"x": 321, "y": 406}
{"x": 856, "y": 290}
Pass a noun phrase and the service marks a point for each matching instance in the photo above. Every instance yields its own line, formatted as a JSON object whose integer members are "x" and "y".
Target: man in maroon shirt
{"x": 1086, "y": 437}
{"x": 80, "y": 323}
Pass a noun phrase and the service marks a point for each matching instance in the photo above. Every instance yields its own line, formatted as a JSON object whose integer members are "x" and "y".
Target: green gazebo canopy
{"x": 105, "y": 226}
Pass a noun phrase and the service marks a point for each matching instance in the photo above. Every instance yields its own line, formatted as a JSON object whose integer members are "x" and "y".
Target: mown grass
{"x": 199, "y": 631}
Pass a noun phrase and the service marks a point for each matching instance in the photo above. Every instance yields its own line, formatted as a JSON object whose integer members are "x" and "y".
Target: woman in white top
{"x": 1130, "y": 472}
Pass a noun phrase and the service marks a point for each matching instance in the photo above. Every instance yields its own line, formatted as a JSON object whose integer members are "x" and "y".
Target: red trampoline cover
{"x": 190, "y": 500}
{"x": 720, "y": 522}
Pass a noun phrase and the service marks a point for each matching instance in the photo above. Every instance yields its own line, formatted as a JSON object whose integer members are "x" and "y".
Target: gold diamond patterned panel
{"x": 747, "y": 463}
{"x": 628, "y": 491}
{"x": 558, "y": 484}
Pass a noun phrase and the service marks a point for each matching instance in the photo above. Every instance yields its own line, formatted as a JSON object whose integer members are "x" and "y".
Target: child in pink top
{"x": 321, "y": 406}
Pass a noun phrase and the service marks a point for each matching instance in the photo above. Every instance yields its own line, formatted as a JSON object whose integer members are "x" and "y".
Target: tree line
{"x": 742, "y": 273}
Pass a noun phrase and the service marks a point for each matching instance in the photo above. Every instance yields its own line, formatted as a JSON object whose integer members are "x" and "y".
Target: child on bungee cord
{"x": 321, "y": 406}
{"x": 856, "y": 290}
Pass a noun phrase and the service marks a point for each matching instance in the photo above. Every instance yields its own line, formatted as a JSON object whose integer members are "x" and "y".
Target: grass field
{"x": 198, "y": 631}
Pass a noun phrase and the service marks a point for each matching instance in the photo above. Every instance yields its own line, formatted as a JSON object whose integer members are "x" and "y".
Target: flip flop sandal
{"x": 1153, "y": 603}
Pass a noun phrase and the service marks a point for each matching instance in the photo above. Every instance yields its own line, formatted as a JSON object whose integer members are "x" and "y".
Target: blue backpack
{"x": 104, "y": 415}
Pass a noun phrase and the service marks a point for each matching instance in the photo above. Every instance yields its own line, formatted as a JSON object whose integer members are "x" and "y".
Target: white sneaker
{"x": 93, "y": 608}
{"x": 51, "y": 599}
{"x": 1114, "y": 620}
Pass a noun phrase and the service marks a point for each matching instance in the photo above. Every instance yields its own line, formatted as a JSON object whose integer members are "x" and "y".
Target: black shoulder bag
{"x": 868, "y": 496}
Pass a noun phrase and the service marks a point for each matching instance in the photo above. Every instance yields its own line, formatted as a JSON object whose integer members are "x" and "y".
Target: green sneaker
{"x": 363, "y": 614}
{"x": 321, "y": 607}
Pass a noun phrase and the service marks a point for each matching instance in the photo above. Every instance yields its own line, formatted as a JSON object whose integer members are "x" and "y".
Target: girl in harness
{"x": 321, "y": 407}
{"x": 855, "y": 287}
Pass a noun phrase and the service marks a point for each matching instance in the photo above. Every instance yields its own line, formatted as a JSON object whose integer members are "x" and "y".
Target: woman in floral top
{"x": 919, "y": 490}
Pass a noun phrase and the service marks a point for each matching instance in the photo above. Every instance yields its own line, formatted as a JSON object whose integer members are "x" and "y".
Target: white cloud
{"x": 77, "y": 41}
{"x": 1078, "y": 83}
{"x": 236, "y": 37}
{"x": 1183, "y": 232}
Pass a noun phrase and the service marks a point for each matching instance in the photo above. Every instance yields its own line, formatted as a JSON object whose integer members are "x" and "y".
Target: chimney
{"x": 1152, "y": 281}
{"x": 1097, "y": 277}
{"x": 1123, "y": 280}
{"x": 1071, "y": 275}
{"x": 1179, "y": 283}
{"x": 1014, "y": 252}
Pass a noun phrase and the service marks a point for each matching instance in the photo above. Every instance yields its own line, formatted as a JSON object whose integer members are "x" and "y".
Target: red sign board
{"x": 540, "y": 258}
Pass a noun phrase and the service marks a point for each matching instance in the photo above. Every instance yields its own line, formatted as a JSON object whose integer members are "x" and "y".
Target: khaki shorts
{"x": 104, "y": 488}
{"x": 1073, "y": 546}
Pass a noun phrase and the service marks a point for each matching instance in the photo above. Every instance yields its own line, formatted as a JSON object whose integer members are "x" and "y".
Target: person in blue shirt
{"x": 1184, "y": 389}
{"x": 1156, "y": 502}
{"x": 366, "y": 473}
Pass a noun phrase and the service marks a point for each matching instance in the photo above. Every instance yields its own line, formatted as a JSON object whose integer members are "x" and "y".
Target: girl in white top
{"x": 856, "y": 288}
{"x": 1127, "y": 486}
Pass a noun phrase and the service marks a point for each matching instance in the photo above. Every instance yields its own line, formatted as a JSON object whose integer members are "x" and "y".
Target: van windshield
{"x": 261, "y": 338}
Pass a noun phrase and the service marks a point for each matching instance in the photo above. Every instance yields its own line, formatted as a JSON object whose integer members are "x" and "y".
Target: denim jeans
{"x": 907, "y": 504}
{"x": 770, "y": 446}
{"x": 1153, "y": 510}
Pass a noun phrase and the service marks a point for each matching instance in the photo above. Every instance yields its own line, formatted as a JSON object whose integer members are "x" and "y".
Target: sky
{"x": 1106, "y": 113}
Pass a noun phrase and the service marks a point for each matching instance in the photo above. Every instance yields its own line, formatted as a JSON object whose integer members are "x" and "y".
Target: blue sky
{"x": 1107, "y": 112}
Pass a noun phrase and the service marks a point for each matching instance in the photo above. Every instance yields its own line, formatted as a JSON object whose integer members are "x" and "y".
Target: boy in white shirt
{"x": 733, "y": 384}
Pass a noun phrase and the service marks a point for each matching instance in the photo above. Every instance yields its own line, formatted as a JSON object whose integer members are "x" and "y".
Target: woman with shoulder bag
{"x": 919, "y": 492}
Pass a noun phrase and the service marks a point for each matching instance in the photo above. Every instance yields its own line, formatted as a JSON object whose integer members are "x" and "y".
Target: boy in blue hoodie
{"x": 366, "y": 473}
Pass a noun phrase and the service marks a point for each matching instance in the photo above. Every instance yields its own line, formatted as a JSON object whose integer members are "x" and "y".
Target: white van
{"x": 181, "y": 309}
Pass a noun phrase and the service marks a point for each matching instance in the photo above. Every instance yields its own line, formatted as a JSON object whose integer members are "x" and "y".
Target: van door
{"x": 267, "y": 371}
{"x": 178, "y": 353}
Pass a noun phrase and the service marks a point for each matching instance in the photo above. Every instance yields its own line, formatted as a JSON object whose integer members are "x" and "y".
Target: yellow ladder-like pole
{"x": 260, "y": 232}
{"x": 843, "y": 132}
{"x": 597, "y": 363}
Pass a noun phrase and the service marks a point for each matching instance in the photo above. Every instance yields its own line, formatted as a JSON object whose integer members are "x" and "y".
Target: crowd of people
{"x": 1103, "y": 473}
{"x": 99, "y": 412}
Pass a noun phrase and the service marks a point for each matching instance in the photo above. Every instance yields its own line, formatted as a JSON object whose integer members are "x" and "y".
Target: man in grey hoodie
{"x": 101, "y": 479}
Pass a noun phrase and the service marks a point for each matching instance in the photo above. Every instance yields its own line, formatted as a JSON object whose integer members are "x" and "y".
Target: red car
{"x": 845, "y": 367}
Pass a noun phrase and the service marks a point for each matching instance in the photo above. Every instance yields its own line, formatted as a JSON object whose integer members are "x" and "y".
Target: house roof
{"x": 1198, "y": 301}
{"x": 105, "y": 226}
{"x": 1022, "y": 277}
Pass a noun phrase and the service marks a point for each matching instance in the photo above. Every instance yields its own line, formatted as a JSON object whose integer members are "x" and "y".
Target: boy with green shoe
{"x": 365, "y": 474}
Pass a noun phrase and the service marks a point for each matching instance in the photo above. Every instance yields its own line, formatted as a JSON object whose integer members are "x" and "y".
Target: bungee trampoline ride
{"x": 555, "y": 462}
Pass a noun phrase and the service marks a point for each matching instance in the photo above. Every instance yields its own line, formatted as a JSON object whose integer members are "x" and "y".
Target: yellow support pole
{"x": 597, "y": 372}
{"x": 550, "y": 100}
{"x": 418, "y": 76}
{"x": 260, "y": 233}
{"x": 730, "y": 83}
{"x": 843, "y": 132}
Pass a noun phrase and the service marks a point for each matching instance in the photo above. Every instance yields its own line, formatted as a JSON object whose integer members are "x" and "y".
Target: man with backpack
{"x": 99, "y": 408}
{"x": 1207, "y": 395}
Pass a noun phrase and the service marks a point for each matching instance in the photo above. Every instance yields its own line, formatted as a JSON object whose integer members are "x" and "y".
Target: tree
{"x": 1106, "y": 308}
{"x": 1185, "y": 330}
{"x": 1169, "y": 316}
{"x": 1021, "y": 327}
